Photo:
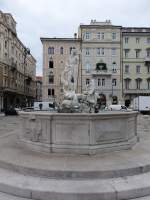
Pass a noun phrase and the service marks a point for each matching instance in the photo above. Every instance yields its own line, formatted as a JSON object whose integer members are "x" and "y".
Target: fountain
{"x": 78, "y": 127}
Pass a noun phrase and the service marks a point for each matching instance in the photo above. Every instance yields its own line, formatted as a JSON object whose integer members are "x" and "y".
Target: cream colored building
{"x": 117, "y": 58}
{"x": 101, "y": 59}
{"x": 17, "y": 67}
{"x": 136, "y": 62}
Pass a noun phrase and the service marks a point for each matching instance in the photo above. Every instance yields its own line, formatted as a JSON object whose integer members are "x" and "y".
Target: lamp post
{"x": 113, "y": 84}
{"x": 26, "y": 52}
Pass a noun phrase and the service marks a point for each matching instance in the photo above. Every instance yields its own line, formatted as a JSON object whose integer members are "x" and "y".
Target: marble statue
{"x": 69, "y": 77}
{"x": 69, "y": 80}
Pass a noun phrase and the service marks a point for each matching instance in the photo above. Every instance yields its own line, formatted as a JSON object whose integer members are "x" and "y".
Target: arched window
{"x": 71, "y": 48}
{"x": 51, "y": 50}
{"x": 61, "y": 50}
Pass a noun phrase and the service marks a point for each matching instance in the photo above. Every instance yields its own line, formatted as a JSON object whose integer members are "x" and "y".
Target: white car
{"x": 117, "y": 107}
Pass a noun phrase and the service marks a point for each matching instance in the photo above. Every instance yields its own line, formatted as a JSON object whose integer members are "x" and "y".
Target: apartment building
{"x": 56, "y": 52}
{"x": 136, "y": 62}
{"x": 117, "y": 59}
{"x": 17, "y": 67}
{"x": 101, "y": 59}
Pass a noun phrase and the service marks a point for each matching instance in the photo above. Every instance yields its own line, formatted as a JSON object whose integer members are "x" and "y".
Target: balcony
{"x": 136, "y": 91}
{"x": 28, "y": 80}
{"x": 13, "y": 66}
{"x": 101, "y": 73}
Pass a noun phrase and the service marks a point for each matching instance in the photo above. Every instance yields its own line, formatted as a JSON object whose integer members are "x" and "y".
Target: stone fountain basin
{"x": 79, "y": 133}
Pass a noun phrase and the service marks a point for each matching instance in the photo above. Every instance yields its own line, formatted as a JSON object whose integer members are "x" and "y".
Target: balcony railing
{"x": 101, "y": 72}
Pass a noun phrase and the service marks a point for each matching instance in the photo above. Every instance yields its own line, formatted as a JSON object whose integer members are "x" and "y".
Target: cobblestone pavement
{"x": 8, "y": 124}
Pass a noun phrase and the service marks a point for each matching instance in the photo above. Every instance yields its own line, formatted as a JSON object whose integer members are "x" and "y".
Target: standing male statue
{"x": 69, "y": 76}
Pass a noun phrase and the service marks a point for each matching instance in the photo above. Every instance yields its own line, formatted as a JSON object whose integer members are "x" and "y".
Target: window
{"x": 126, "y": 39}
{"x": 6, "y": 56}
{"x": 114, "y": 82}
{"x": 98, "y": 36}
{"x": 127, "y": 69}
{"x": 138, "y": 83}
{"x": 138, "y": 68}
{"x": 51, "y": 92}
{"x": 102, "y": 36}
{"x": 148, "y": 84}
{"x": 114, "y": 36}
{"x": 51, "y": 64}
{"x": 88, "y": 67}
{"x": 114, "y": 67}
{"x": 61, "y": 50}
{"x": 148, "y": 69}
{"x": 98, "y": 51}
{"x": 87, "y": 51}
{"x": 87, "y": 81}
{"x": 71, "y": 48}
{"x": 87, "y": 35}
{"x": 99, "y": 82}
{"x": 51, "y": 50}
{"x": 102, "y": 51}
{"x": 127, "y": 81}
{"x": 148, "y": 40}
{"x": 5, "y": 44}
{"x": 137, "y": 40}
{"x": 51, "y": 79}
{"x": 148, "y": 52}
{"x": 12, "y": 50}
{"x": 113, "y": 51}
{"x": 126, "y": 53}
{"x": 137, "y": 53}
{"x": 103, "y": 82}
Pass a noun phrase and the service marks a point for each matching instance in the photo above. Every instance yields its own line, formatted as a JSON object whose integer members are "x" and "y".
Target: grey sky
{"x": 60, "y": 18}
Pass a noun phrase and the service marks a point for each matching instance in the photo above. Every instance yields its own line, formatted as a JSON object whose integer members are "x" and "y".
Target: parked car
{"x": 10, "y": 111}
{"x": 117, "y": 107}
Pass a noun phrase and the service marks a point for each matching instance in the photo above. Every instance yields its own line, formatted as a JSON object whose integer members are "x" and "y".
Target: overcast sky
{"x": 60, "y": 18}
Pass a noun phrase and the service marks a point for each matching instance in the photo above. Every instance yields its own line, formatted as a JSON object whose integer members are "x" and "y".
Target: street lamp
{"x": 113, "y": 84}
{"x": 26, "y": 52}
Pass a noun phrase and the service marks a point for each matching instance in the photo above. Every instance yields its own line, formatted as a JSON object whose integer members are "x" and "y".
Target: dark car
{"x": 10, "y": 111}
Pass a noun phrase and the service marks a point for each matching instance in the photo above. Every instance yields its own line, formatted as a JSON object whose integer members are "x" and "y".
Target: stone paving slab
{"x": 45, "y": 189}
{"x": 4, "y": 196}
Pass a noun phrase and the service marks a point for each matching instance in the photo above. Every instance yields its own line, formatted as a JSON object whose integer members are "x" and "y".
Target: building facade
{"x": 56, "y": 52}
{"x": 38, "y": 88}
{"x": 17, "y": 67}
{"x": 115, "y": 57}
{"x": 136, "y": 63}
{"x": 101, "y": 59}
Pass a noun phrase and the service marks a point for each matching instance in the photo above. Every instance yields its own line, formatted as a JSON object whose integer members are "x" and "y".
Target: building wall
{"x": 16, "y": 64}
{"x": 107, "y": 44}
{"x": 59, "y": 63}
{"x": 137, "y": 40}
